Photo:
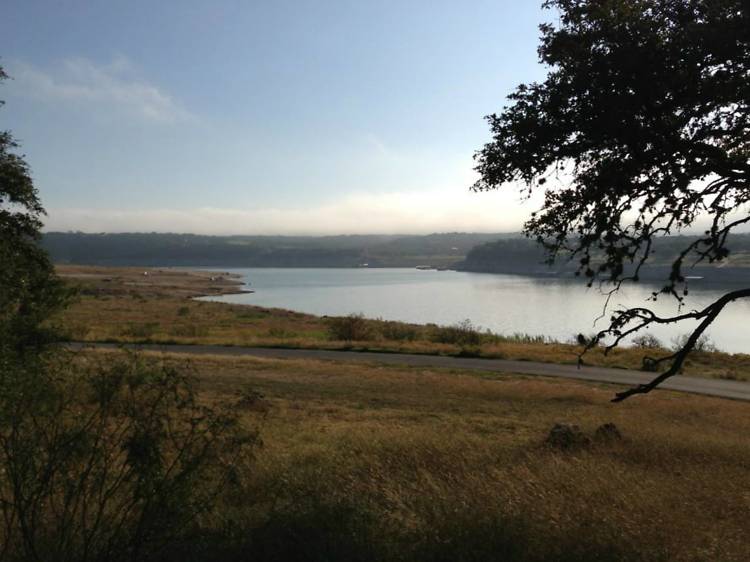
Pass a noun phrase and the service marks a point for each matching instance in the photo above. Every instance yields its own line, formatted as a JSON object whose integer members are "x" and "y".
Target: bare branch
{"x": 709, "y": 314}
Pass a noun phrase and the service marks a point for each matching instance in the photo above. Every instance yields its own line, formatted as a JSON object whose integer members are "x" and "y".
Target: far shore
{"x": 189, "y": 283}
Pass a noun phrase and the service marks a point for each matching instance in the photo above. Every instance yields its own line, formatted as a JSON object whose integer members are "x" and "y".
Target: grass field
{"x": 373, "y": 463}
{"x": 124, "y": 305}
{"x": 382, "y": 463}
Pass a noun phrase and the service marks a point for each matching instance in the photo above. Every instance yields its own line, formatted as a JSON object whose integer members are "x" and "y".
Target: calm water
{"x": 503, "y": 303}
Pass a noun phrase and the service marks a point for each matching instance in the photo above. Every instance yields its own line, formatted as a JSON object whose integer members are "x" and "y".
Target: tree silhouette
{"x": 640, "y": 130}
{"x": 29, "y": 290}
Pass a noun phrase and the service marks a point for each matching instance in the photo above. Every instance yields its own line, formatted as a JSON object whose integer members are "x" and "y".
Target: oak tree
{"x": 641, "y": 129}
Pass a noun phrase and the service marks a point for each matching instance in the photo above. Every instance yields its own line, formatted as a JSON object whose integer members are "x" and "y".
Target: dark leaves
{"x": 641, "y": 127}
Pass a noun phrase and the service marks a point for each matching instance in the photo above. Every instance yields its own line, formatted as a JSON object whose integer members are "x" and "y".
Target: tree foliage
{"x": 640, "y": 129}
{"x": 29, "y": 290}
{"x": 105, "y": 460}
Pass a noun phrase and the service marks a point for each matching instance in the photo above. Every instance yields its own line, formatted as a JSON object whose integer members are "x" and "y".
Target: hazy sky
{"x": 264, "y": 117}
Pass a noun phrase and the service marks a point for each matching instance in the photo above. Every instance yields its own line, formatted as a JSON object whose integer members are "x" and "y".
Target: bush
{"x": 463, "y": 333}
{"x": 647, "y": 341}
{"x": 109, "y": 462}
{"x": 703, "y": 344}
{"x": 348, "y": 328}
{"x": 470, "y": 351}
{"x": 183, "y": 311}
{"x": 398, "y": 331}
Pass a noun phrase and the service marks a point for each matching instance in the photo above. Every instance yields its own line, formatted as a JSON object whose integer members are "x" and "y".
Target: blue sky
{"x": 277, "y": 117}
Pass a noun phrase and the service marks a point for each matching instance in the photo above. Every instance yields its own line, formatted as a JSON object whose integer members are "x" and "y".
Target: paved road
{"x": 709, "y": 387}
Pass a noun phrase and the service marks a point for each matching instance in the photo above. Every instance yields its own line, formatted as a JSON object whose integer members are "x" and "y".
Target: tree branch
{"x": 709, "y": 314}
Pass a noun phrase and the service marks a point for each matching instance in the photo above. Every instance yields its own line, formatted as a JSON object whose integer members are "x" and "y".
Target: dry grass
{"x": 149, "y": 282}
{"x": 123, "y": 305}
{"x": 373, "y": 462}
{"x": 368, "y": 462}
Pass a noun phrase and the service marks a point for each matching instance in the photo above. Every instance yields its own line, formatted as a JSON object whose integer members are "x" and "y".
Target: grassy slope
{"x": 123, "y": 305}
{"x": 383, "y": 463}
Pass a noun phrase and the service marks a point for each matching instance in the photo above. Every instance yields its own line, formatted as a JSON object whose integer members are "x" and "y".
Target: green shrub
{"x": 183, "y": 311}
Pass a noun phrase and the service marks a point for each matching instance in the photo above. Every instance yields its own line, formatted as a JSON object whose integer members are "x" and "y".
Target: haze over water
{"x": 505, "y": 304}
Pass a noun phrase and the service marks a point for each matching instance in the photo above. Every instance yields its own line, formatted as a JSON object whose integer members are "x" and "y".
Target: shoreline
{"x": 189, "y": 283}
{"x": 124, "y": 305}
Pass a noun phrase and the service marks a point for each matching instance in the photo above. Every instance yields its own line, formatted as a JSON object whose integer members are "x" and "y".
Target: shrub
{"x": 109, "y": 462}
{"x": 703, "y": 344}
{"x": 463, "y": 333}
{"x": 183, "y": 311}
{"x": 348, "y": 328}
{"x": 398, "y": 331}
{"x": 470, "y": 351}
{"x": 647, "y": 341}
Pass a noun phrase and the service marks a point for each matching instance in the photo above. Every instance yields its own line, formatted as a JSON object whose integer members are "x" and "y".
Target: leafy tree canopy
{"x": 29, "y": 290}
{"x": 640, "y": 129}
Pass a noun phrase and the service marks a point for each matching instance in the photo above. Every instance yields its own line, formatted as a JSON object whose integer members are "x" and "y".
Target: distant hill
{"x": 156, "y": 249}
{"x": 517, "y": 255}
{"x": 476, "y": 252}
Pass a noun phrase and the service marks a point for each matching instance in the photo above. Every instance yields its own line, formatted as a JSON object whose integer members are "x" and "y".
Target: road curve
{"x": 735, "y": 390}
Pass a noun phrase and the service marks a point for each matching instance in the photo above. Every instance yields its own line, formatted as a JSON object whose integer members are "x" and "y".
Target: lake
{"x": 505, "y": 304}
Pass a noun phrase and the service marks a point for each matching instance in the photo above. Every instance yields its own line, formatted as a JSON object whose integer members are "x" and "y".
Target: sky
{"x": 265, "y": 117}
